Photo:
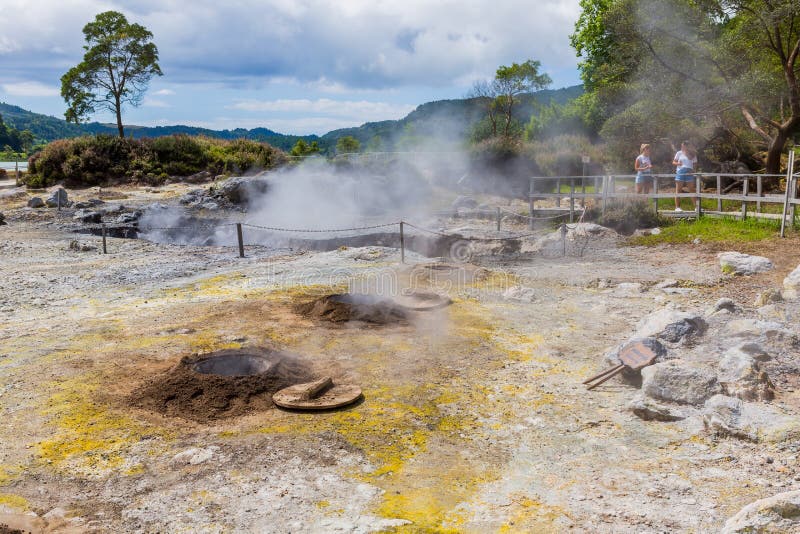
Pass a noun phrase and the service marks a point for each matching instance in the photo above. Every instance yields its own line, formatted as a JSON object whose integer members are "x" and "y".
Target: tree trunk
{"x": 118, "y": 107}
{"x": 773, "y": 163}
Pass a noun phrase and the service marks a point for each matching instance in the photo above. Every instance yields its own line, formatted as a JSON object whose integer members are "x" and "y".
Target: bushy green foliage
{"x": 626, "y": 216}
{"x": 104, "y": 158}
{"x": 562, "y": 155}
{"x": 347, "y": 145}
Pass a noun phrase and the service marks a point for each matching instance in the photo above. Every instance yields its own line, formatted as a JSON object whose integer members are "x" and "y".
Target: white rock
{"x": 741, "y": 377}
{"x": 679, "y": 382}
{"x": 779, "y": 513}
{"x": 791, "y": 285}
{"x": 649, "y": 409}
{"x": 671, "y": 326}
{"x": 738, "y": 263}
{"x": 746, "y": 420}
{"x": 195, "y": 455}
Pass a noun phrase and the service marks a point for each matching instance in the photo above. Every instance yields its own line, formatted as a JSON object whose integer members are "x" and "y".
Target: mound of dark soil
{"x": 184, "y": 392}
{"x": 353, "y": 307}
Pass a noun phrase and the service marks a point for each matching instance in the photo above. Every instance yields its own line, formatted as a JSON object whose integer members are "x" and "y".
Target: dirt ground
{"x": 474, "y": 418}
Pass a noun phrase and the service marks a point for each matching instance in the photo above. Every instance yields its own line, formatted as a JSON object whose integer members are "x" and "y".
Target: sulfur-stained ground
{"x": 474, "y": 418}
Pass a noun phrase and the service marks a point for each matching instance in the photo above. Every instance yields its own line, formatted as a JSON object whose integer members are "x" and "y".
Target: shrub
{"x": 626, "y": 216}
{"x": 103, "y": 159}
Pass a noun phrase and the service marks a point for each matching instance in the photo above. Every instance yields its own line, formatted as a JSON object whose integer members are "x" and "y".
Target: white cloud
{"x": 154, "y": 103}
{"x": 164, "y": 92}
{"x": 30, "y": 89}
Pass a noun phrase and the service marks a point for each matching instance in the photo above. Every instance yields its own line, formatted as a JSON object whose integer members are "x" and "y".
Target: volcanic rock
{"x": 2, "y": 219}
{"x": 730, "y": 416}
{"x": 629, "y": 376}
{"x": 86, "y": 216}
{"x": 671, "y": 326}
{"x": 741, "y": 377}
{"x": 779, "y": 513}
{"x": 678, "y": 382}
{"x": 649, "y": 409}
{"x": 199, "y": 178}
{"x": 738, "y": 263}
{"x": 767, "y": 297}
{"x": 36, "y": 202}
{"x": 241, "y": 190}
{"x": 520, "y": 294}
{"x": 791, "y": 285}
{"x": 58, "y": 197}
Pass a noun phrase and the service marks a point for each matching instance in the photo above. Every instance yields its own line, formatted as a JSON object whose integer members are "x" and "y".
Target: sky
{"x": 294, "y": 66}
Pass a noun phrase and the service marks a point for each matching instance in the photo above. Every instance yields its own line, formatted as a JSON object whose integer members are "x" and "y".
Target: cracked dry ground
{"x": 474, "y": 418}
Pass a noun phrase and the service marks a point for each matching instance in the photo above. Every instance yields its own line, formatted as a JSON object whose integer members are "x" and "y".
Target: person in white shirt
{"x": 685, "y": 161}
{"x": 644, "y": 170}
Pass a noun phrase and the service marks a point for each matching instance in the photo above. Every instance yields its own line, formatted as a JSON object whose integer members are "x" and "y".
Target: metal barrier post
{"x": 402, "y": 244}
{"x": 719, "y": 193}
{"x": 498, "y": 219}
{"x": 744, "y": 202}
{"x": 104, "y": 240}
{"x": 563, "y": 239}
{"x": 239, "y": 237}
{"x": 530, "y": 206}
{"x": 605, "y": 193}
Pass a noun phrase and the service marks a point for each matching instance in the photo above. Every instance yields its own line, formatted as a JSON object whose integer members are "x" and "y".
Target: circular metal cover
{"x": 336, "y": 396}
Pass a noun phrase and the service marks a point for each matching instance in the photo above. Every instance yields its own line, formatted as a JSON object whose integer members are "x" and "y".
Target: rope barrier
{"x": 482, "y": 239}
{"x": 324, "y": 231}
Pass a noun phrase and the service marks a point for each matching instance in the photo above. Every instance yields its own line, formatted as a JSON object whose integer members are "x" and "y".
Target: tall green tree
{"x": 726, "y": 66}
{"x": 119, "y": 62}
{"x": 347, "y": 145}
{"x": 501, "y": 93}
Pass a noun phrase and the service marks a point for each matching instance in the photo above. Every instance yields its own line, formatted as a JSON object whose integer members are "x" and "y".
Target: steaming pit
{"x": 236, "y": 364}
{"x": 345, "y": 307}
{"x": 222, "y": 384}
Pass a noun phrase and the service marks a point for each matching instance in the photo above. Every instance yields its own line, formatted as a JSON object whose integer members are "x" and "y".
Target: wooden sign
{"x": 634, "y": 356}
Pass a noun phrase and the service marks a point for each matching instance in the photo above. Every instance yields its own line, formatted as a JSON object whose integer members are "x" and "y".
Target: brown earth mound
{"x": 353, "y": 307}
{"x": 223, "y": 384}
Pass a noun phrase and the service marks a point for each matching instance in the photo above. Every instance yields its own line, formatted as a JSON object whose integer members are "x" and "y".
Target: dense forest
{"x": 13, "y": 142}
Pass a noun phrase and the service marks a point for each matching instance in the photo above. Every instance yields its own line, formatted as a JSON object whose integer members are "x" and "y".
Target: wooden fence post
{"x": 104, "y": 240}
{"x": 787, "y": 195}
{"x": 744, "y": 202}
{"x": 558, "y": 192}
{"x": 572, "y": 200}
{"x": 698, "y": 207}
{"x": 655, "y": 192}
{"x": 498, "y": 219}
{"x": 240, "y": 239}
{"x": 759, "y": 190}
{"x": 402, "y": 244}
{"x": 719, "y": 193}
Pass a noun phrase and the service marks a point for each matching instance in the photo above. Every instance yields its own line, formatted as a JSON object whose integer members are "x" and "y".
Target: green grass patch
{"x": 712, "y": 229}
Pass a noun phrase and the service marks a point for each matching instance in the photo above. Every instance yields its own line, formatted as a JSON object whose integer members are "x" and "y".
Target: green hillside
{"x": 444, "y": 119}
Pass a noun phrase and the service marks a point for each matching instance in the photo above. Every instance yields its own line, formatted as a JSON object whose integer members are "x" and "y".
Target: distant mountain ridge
{"x": 447, "y": 119}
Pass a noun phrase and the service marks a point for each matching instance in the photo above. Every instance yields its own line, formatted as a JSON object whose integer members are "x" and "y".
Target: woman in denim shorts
{"x": 685, "y": 161}
{"x": 644, "y": 170}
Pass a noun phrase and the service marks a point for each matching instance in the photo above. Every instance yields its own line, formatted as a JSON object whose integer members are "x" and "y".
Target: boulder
{"x": 779, "y": 513}
{"x": 81, "y": 247}
{"x": 129, "y": 218}
{"x": 791, "y": 285}
{"x": 671, "y": 326}
{"x": 58, "y": 197}
{"x": 649, "y": 409}
{"x": 86, "y": 216}
{"x": 241, "y": 190}
{"x": 725, "y": 304}
{"x": 464, "y": 202}
{"x": 2, "y": 219}
{"x": 738, "y": 263}
{"x": 678, "y": 382}
{"x": 36, "y": 202}
{"x": 729, "y": 416}
{"x": 193, "y": 197}
{"x": 741, "y": 377}
{"x": 754, "y": 328}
